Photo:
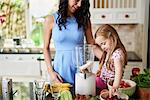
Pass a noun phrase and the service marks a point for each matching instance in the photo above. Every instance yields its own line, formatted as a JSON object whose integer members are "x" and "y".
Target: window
{"x": 38, "y": 9}
{"x": 12, "y": 18}
{"x": 24, "y": 18}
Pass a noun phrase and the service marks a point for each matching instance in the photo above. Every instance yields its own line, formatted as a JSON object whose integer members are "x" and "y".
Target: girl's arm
{"x": 118, "y": 73}
{"x": 48, "y": 25}
{"x": 118, "y": 76}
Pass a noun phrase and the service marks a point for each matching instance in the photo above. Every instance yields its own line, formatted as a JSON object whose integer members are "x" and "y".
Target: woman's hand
{"x": 55, "y": 77}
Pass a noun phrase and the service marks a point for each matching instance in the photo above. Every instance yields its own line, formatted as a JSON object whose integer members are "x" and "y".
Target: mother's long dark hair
{"x": 82, "y": 15}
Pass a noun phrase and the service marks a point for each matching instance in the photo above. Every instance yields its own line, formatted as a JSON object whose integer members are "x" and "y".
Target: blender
{"x": 85, "y": 83}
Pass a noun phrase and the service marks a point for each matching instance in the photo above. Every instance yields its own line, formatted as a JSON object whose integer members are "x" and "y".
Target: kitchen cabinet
{"x": 19, "y": 65}
{"x": 115, "y": 11}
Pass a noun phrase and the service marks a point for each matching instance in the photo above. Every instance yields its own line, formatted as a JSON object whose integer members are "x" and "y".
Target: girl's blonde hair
{"x": 108, "y": 31}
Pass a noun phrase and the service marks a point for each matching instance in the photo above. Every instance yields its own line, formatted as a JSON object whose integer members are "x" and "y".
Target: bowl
{"x": 129, "y": 90}
{"x": 121, "y": 96}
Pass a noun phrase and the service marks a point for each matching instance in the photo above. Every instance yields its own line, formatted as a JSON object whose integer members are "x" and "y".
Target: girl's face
{"x": 104, "y": 43}
{"x": 73, "y": 5}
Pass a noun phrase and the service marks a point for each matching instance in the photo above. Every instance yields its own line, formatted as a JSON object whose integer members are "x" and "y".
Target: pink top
{"x": 107, "y": 74}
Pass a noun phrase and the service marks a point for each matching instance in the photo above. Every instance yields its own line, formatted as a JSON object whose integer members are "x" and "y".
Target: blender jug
{"x": 84, "y": 55}
{"x": 85, "y": 81}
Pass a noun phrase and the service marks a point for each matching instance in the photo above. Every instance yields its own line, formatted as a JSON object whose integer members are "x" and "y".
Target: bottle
{"x": 7, "y": 91}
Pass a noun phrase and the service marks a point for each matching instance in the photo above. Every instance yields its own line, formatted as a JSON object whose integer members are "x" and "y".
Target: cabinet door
{"x": 19, "y": 68}
{"x": 44, "y": 71}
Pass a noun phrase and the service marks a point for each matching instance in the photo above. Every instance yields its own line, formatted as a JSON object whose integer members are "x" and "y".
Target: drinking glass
{"x": 39, "y": 85}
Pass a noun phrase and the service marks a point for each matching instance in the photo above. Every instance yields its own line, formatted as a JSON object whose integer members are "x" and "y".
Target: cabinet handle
{"x": 20, "y": 59}
{"x": 127, "y": 16}
{"x": 103, "y": 16}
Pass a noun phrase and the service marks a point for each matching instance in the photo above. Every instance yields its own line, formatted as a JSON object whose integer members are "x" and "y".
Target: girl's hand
{"x": 98, "y": 73}
{"x": 55, "y": 77}
{"x": 104, "y": 90}
{"x": 112, "y": 92}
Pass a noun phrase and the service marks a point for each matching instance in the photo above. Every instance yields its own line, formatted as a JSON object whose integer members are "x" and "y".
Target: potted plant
{"x": 143, "y": 84}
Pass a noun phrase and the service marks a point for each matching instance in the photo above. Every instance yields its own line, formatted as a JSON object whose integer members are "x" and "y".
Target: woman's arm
{"x": 90, "y": 40}
{"x": 98, "y": 52}
{"x": 48, "y": 25}
{"x": 88, "y": 34}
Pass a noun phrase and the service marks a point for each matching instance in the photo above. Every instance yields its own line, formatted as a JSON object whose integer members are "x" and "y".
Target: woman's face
{"x": 73, "y": 5}
{"x": 104, "y": 43}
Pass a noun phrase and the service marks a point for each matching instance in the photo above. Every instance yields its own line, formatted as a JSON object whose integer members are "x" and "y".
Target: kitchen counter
{"x": 21, "y": 51}
{"x": 132, "y": 56}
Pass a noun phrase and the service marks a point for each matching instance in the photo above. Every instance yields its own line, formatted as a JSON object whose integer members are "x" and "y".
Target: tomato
{"x": 115, "y": 97}
{"x": 77, "y": 97}
{"x": 123, "y": 84}
{"x": 87, "y": 97}
{"x": 81, "y": 97}
{"x": 135, "y": 71}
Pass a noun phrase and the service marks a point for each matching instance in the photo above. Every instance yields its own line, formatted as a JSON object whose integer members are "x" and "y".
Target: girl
{"x": 112, "y": 55}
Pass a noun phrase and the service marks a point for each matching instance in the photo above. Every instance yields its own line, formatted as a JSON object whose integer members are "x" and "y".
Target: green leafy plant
{"x": 143, "y": 80}
{"x": 37, "y": 32}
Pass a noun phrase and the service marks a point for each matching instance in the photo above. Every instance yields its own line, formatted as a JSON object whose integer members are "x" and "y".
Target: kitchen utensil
{"x": 126, "y": 90}
{"x": 85, "y": 86}
{"x": 84, "y": 54}
{"x": 85, "y": 83}
{"x": 120, "y": 96}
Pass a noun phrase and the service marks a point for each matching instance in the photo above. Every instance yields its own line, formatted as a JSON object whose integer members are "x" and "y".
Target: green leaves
{"x": 143, "y": 80}
{"x": 147, "y": 70}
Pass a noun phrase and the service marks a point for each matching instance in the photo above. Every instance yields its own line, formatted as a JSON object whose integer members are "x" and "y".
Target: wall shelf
{"x": 115, "y": 11}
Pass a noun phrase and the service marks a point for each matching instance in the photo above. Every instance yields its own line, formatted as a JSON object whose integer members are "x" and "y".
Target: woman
{"x": 67, "y": 27}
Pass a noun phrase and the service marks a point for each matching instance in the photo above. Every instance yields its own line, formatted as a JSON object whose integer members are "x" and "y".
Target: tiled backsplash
{"x": 130, "y": 34}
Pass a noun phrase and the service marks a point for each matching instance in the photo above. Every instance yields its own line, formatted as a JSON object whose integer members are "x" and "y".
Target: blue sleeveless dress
{"x": 65, "y": 41}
